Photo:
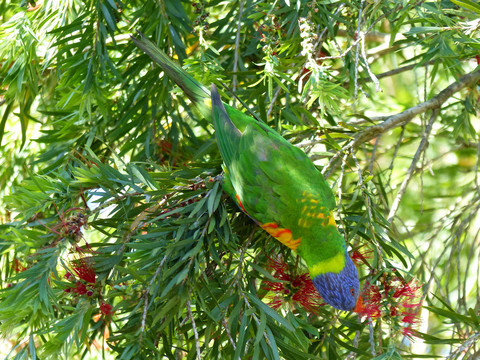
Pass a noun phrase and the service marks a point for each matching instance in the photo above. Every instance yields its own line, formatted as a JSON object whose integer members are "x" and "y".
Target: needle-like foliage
{"x": 116, "y": 238}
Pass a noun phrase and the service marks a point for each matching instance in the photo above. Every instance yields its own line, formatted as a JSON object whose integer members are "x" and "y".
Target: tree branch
{"x": 194, "y": 328}
{"x": 404, "y": 117}
{"x": 237, "y": 45}
{"x": 411, "y": 169}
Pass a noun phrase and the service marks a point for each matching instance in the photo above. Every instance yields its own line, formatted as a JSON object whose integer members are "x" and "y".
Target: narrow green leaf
{"x": 270, "y": 312}
{"x": 431, "y": 339}
{"x": 89, "y": 79}
{"x": 108, "y": 17}
{"x": 454, "y": 316}
{"x": 240, "y": 343}
{"x": 467, "y": 4}
{"x": 212, "y": 194}
{"x": 261, "y": 327}
{"x": 273, "y": 344}
{"x": 6, "y": 113}
{"x": 198, "y": 206}
{"x": 31, "y": 347}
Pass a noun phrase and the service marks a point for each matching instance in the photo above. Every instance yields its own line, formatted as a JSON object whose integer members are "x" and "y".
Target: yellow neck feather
{"x": 334, "y": 264}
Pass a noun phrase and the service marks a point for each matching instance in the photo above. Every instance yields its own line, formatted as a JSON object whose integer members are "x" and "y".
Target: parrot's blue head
{"x": 341, "y": 290}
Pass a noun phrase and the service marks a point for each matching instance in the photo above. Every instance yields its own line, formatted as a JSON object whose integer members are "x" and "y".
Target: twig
{"x": 371, "y": 340}
{"x": 380, "y": 18}
{"x": 396, "y": 71}
{"x": 238, "y": 283}
{"x": 473, "y": 212}
{"x": 224, "y": 322}
{"x": 476, "y": 167}
{"x": 371, "y": 120}
{"x": 373, "y": 36}
{"x": 425, "y": 97}
{"x": 370, "y": 73}
{"x": 273, "y": 100}
{"x": 394, "y": 156}
{"x": 237, "y": 44}
{"x": 238, "y": 275}
{"x": 325, "y": 29}
{"x": 340, "y": 181}
{"x": 357, "y": 44}
{"x": 407, "y": 115}
{"x": 328, "y": 327}
{"x": 465, "y": 346}
{"x": 411, "y": 169}
{"x": 352, "y": 355}
{"x": 372, "y": 160}
{"x": 194, "y": 327}
{"x": 359, "y": 171}
{"x": 255, "y": 317}
{"x": 361, "y": 184}
{"x": 145, "y": 294}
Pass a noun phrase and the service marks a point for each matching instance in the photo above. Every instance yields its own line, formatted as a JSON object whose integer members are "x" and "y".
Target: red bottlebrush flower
{"x": 165, "y": 146}
{"x": 306, "y": 295}
{"x": 105, "y": 309}
{"x": 410, "y": 318}
{"x": 360, "y": 257}
{"x": 68, "y": 275}
{"x": 80, "y": 288}
{"x": 164, "y": 150}
{"x": 409, "y": 332}
{"x": 407, "y": 290}
{"x": 372, "y": 299}
{"x": 17, "y": 266}
{"x": 393, "y": 300}
{"x": 86, "y": 249}
{"x": 294, "y": 289}
{"x": 84, "y": 270}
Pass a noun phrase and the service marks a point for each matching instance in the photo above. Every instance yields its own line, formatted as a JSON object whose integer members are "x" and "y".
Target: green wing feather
{"x": 227, "y": 135}
{"x": 277, "y": 184}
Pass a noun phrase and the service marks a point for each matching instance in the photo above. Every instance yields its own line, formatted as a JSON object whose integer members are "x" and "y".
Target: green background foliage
{"x": 104, "y": 161}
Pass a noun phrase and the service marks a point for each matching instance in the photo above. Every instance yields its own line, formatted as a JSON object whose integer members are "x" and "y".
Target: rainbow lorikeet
{"x": 277, "y": 185}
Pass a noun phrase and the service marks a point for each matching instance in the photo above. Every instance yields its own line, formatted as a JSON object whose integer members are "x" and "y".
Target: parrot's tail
{"x": 196, "y": 92}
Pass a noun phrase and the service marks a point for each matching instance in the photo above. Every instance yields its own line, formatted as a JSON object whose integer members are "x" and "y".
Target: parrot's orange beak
{"x": 359, "y": 307}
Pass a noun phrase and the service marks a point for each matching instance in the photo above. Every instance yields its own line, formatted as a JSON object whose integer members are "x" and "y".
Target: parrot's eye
{"x": 352, "y": 291}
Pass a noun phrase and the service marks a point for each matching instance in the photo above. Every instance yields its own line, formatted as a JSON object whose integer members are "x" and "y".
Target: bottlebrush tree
{"x": 116, "y": 238}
